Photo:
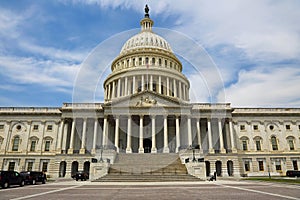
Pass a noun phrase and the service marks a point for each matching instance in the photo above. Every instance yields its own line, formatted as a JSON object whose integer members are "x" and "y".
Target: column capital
{"x": 152, "y": 116}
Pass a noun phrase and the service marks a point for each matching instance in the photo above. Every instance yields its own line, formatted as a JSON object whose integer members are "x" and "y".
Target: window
{"x": 1, "y": 126}
{"x": 295, "y": 164}
{"x": 247, "y": 166}
{"x": 45, "y": 167}
{"x": 258, "y": 145}
{"x": 11, "y": 166}
{"x": 16, "y": 141}
{"x": 19, "y": 127}
{"x": 299, "y": 127}
{"x": 29, "y": 166}
{"x": 166, "y": 64}
{"x": 242, "y": 127}
{"x": 153, "y": 61}
{"x": 49, "y": 128}
{"x": 271, "y": 127}
{"x": 35, "y": 127}
{"x": 278, "y": 165}
{"x": 261, "y": 165}
{"x": 133, "y": 62}
{"x": 32, "y": 146}
{"x": 288, "y": 127}
{"x": 140, "y": 61}
{"x": 255, "y": 127}
{"x": 274, "y": 143}
{"x": 244, "y": 142}
{"x": 147, "y": 60}
{"x": 159, "y": 62}
{"x": 47, "y": 145}
{"x": 291, "y": 144}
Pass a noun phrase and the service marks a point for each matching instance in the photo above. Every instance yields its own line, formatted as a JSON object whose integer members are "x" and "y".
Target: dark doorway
{"x": 147, "y": 145}
{"x": 219, "y": 168}
{"x": 62, "y": 169}
{"x": 207, "y": 168}
{"x": 86, "y": 167}
{"x": 74, "y": 168}
{"x": 230, "y": 167}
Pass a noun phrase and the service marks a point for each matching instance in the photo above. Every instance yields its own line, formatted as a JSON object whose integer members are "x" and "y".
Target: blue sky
{"x": 254, "y": 45}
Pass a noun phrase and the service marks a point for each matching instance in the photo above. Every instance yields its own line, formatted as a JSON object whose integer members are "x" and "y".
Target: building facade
{"x": 147, "y": 110}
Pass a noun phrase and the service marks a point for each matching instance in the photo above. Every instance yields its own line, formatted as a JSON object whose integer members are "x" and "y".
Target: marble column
{"x": 113, "y": 90}
{"x": 180, "y": 90}
{"x": 117, "y": 133}
{"x": 175, "y": 87}
{"x": 222, "y": 150}
{"x": 190, "y": 139}
{"x": 104, "y": 139}
{"x": 133, "y": 85}
{"x": 70, "y": 150}
{"x": 199, "y": 133}
{"x": 153, "y": 150}
{"x": 166, "y": 147}
{"x": 60, "y": 136}
{"x": 143, "y": 83}
{"x": 210, "y": 146}
{"x": 159, "y": 85}
{"x": 126, "y": 86}
{"x": 233, "y": 147}
{"x": 168, "y": 87}
{"x": 177, "y": 134}
{"x": 119, "y": 87}
{"x": 151, "y": 83}
{"x": 128, "y": 147}
{"x": 95, "y": 136}
{"x": 141, "y": 148}
{"x": 83, "y": 141}
{"x": 109, "y": 91}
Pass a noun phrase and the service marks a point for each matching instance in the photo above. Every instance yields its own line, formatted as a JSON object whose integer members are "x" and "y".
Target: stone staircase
{"x": 147, "y": 168}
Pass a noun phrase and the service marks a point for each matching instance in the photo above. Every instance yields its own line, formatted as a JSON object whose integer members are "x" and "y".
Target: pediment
{"x": 146, "y": 99}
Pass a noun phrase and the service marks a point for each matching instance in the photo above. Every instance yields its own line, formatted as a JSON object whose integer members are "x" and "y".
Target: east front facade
{"x": 147, "y": 110}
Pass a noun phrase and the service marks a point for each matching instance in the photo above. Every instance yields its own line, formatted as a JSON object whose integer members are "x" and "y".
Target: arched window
{"x": 274, "y": 143}
{"x": 258, "y": 141}
{"x": 244, "y": 141}
{"x": 153, "y": 61}
{"x": 159, "y": 62}
{"x": 16, "y": 142}
{"x": 290, "y": 141}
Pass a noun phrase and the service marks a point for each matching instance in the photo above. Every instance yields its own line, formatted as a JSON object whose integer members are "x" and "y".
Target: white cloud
{"x": 264, "y": 87}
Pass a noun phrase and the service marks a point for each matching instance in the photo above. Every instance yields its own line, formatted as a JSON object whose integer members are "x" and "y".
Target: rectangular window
{"x": 33, "y": 144}
{"x": 255, "y": 127}
{"x": 133, "y": 62}
{"x": 1, "y": 126}
{"x": 291, "y": 144}
{"x": 295, "y": 164}
{"x": 11, "y": 166}
{"x": 49, "y": 128}
{"x": 245, "y": 148}
{"x": 278, "y": 165}
{"x": 45, "y": 167}
{"x": 261, "y": 165}
{"x": 140, "y": 61}
{"x": 288, "y": 127}
{"x": 29, "y": 166}
{"x": 299, "y": 127}
{"x": 35, "y": 127}
{"x": 258, "y": 145}
{"x": 242, "y": 127}
{"x": 47, "y": 145}
{"x": 247, "y": 166}
{"x": 15, "y": 146}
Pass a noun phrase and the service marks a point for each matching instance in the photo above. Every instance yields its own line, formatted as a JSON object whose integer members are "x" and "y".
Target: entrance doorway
{"x": 230, "y": 168}
{"x": 62, "y": 169}
{"x": 219, "y": 168}
{"x": 147, "y": 145}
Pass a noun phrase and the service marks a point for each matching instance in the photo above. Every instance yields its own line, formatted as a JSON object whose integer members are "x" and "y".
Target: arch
{"x": 230, "y": 167}
{"x": 74, "y": 168}
{"x": 62, "y": 169}
{"x": 219, "y": 168}
{"x": 207, "y": 168}
{"x": 86, "y": 167}
{"x": 15, "y": 143}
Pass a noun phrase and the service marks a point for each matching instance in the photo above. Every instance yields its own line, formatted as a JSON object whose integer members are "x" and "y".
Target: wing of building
{"x": 147, "y": 111}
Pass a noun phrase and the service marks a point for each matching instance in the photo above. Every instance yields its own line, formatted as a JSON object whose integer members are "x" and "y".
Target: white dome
{"x": 146, "y": 39}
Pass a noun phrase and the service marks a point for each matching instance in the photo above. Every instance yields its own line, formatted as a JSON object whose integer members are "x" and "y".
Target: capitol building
{"x": 147, "y": 115}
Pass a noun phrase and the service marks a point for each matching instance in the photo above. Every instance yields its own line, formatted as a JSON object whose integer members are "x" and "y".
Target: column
{"x": 113, "y": 90}
{"x": 126, "y": 86}
{"x": 210, "y": 146}
{"x": 109, "y": 91}
{"x": 180, "y": 90}
{"x": 166, "y": 147}
{"x": 133, "y": 85}
{"x": 233, "y": 147}
{"x": 190, "y": 139}
{"x": 177, "y": 134}
{"x": 128, "y": 147}
{"x": 199, "y": 134}
{"x": 119, "y": 87}
{"x": 70, "y": 150}
{"x": 222, "y": 150}
{"x": 104, "y": 140}
{"x": 117, "y": 133}
{"x": 151, "y": 83}
{"x": 141, "y": 148}
{"x": 184, "y": 95}
{"x": 59, "y": 137}
{"x": 142, "y": 82}
{"x": 95, "y": 136}
{"x": 82, "y": 149}
{"x": 64, "y": 139}
{"x": 168, "y": 87}
{"x": 159, "y": 84}
{"x": 174, "y": 87}
{"x": 153, "y": 150}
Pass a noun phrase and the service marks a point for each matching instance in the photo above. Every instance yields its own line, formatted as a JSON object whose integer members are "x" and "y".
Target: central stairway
{"x": 147, "y": 168}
